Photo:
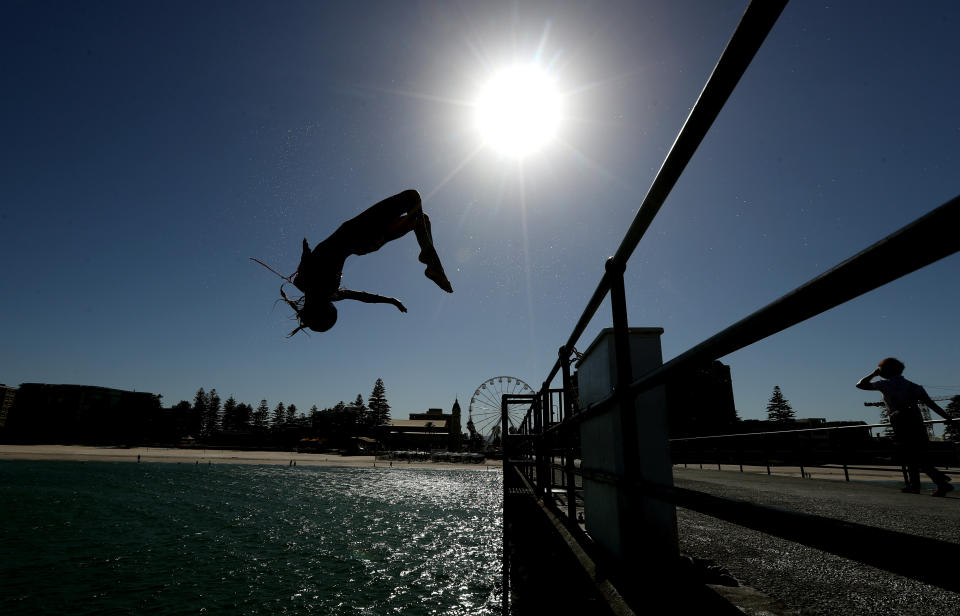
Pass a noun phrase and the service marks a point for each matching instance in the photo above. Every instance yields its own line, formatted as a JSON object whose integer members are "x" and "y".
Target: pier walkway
{"x": 808, "y": 580}
{"x": 607, "y": 407}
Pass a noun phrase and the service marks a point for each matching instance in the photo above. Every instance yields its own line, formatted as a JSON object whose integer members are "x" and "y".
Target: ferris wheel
{"x": 485, "y": 412}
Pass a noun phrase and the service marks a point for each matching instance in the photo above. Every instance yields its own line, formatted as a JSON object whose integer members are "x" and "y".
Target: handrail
{"x": 920, "y": 243}
{"x": 756, "y": 23}
{"x": 798, "y": 430}
{"x": 926, "y": 240}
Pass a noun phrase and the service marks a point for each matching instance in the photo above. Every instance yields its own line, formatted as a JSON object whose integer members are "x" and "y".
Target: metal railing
{"x": 798, "y": 450}
{"x": 545, "y": 447}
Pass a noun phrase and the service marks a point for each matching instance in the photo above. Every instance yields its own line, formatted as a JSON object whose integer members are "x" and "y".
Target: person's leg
{"x": 380, "y": 223}
{"x": 909, "y": 463}
{"x": 428, "y": 255}
{"x": 913, "y": 472}
{"x": 905, "y": 436}
{"x": 916, "y": 445}
{"x": 388, "y": 220}
{"x": 936, "y": 475}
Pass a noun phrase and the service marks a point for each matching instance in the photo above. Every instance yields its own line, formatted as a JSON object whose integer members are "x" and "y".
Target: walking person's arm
{"x": 933, "y": 406}
{"x": 865, "y": 383}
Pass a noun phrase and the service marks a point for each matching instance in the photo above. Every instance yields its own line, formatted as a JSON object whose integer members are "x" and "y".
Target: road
{"x": 815, "y": 582}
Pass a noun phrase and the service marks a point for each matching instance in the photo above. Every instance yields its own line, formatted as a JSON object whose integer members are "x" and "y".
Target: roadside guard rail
{"x": 547, "y": 440}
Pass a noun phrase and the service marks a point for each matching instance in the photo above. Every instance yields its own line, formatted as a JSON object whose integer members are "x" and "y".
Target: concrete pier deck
{"x": 808, "y": 580}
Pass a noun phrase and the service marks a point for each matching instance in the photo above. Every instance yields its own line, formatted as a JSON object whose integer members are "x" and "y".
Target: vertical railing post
{"x": 544, "y": 468}
{"x": 507, "y": 479}
{"x": 625, "y": 412}
{"x": 621, "y": 345}
{"x": 567, "y": 412}
{"x": 536, "y": 436}
{"x": 628, "y": 441}
{"x": 568, "y": 397}
{"x": 571, "y": 484}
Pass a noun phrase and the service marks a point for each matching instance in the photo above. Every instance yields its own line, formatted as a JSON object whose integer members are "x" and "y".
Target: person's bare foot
{"x": 438, "y": 277}
{"x": 428, "y": 256}
{"x": 434, "y": 269}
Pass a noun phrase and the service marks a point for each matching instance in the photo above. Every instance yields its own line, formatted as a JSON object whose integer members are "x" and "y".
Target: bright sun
{"x": 518, "y": 111}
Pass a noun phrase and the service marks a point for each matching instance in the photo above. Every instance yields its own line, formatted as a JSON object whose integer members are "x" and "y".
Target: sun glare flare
{"x": 518, "y": 111}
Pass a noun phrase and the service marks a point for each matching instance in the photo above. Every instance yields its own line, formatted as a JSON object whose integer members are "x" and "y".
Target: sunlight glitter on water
{"x": 240, "y": 539}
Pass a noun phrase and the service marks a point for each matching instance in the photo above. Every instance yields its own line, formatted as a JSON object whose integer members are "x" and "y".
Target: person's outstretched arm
{"x": 368, "y": 298}
{"x": 865, "y": 383}
{"x": 933, "y": 406}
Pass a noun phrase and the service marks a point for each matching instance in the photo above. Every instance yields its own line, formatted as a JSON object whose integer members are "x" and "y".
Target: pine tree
{"x": 364, "y": 417}
{"x": 211, "y": 421}
{"x": 197, "y": 413}
{"x": 778, "y": 409}
{"x": 377, "y": 403}
{"x": 229, "y": 421}
{"x": 261, "y": 416}
{"x": 952, "y": 433}
{"x": 279, "y": 414}
{"x": 291, "y": 416}
{"x": 243, "y": 416}
{"x": 358, "y": 404}
{"x": 345, "y": 423}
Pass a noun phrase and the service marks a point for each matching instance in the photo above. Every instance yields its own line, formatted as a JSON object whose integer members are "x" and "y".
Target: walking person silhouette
{"x": 320, "y": 270}
{"x": 901, "y": 397}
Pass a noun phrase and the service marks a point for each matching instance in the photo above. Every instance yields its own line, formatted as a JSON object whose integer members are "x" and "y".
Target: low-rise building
{"x": 428, "y": 431}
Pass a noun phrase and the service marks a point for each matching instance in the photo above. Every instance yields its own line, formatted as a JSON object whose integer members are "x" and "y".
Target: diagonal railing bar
{"x": 924, "y": 241}
{"x": 756, "y": 23}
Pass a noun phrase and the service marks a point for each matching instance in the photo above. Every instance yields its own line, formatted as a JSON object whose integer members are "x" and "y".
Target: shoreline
{"x": 172, "y": 455}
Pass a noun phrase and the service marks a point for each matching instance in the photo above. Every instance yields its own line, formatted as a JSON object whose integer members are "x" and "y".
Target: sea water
{"x": 120, "y": 538}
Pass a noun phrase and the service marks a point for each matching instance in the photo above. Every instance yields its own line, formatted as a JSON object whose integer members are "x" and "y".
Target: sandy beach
{"x": 79, "y": 453}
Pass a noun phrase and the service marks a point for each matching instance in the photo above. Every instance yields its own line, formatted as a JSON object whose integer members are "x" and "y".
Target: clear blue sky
{"x": 148, "y": 149}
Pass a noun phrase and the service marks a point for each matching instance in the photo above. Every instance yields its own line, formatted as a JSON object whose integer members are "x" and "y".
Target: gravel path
{"x": 816, "y": 582}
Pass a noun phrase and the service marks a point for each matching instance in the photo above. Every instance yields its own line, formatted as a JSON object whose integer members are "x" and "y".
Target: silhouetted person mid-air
{"x": 320, "y": 270}
{"x": 901, "y": 397}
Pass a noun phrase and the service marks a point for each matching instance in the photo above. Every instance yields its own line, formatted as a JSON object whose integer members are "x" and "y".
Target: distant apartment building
{"x": 47, "y": 413}
{"x": 425, "y": 431}
{"x": 701, "y": 403}
{"x": 7, "y": 396}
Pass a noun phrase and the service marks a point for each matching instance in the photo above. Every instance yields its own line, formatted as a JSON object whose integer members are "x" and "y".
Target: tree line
{"x": 211, "y": 420}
